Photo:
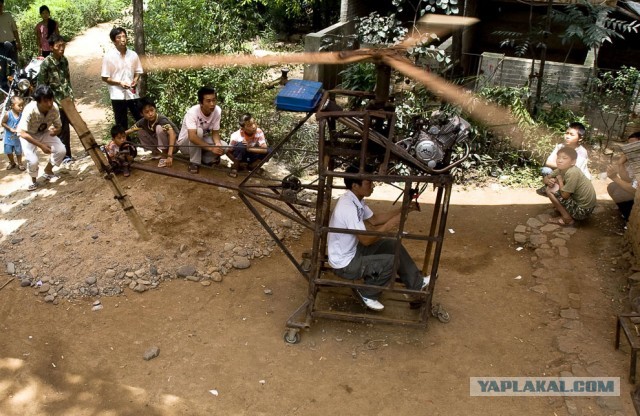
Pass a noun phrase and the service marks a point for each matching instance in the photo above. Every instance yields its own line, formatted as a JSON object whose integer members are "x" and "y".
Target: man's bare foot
{"x": 561, "y": 221}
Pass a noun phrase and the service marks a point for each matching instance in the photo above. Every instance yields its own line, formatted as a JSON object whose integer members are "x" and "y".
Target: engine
{"x": 435, "y": 137}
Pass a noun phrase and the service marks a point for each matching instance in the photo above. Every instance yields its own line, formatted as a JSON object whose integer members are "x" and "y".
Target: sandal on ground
{"x": 193, "y": 169}
{"x": 162, "y": 163}
{"x": 233, "y": 173}
{"x": 11, "y": 166}
{"x": 542, "y": 191}
{"x": 50, "y": 177}
{"x": 21, "y": 167}
{"x": 32, "y": 187}
{"x": 561, "y": 221}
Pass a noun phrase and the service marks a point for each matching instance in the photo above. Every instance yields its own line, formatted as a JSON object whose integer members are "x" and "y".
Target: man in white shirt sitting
{"x": 200, "y": 133}
{"x": 355, "y": 256}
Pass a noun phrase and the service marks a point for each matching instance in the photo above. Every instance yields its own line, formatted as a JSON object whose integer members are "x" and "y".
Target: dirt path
{"x": 226, "y": 336}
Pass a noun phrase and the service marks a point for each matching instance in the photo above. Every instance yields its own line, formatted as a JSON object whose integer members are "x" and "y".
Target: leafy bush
{"x": 358, "y": 77}
{"x": 376, "y": 29}
{"x": 17, "y": 6}
{"x": 178, "y": 27}
{"x": 514, "y": 98}
{"x": 610, "y": 99}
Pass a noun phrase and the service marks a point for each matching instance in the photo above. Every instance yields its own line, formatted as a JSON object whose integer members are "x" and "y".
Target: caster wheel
{"x": 292, "y": 336}
{"x": 444, "y": 317}
{"x": 306, "y": 261}
{"x": 437, "y": 311}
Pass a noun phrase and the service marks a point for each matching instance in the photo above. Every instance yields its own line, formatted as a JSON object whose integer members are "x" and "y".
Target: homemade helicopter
{"x": 364, "y": 138}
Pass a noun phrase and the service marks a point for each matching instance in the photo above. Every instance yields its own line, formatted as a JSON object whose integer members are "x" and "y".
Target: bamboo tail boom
{"x": 100, "y": 160}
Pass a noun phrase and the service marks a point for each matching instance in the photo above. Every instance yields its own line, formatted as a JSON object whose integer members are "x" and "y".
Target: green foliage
{"x": 521, "y": 43}
{"x": 514, "y": 98}
{"x": 556, "y": 117}
{"x": 590, "y": 24}
{"x": 17, "y": 6}
{"x": 172, "y": 26}
{"x": 611, "y": 97}
{"x": 358, "y": 77}
{"x": 494, "y": 158}
{"x": 72, "y": 16}
{"x": 287, "y": 16}
{"x": 429, "y": 6}
{"x": 376, "y": 29}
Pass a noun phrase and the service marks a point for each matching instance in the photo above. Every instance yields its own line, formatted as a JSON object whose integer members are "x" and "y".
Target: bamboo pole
{"x": 100, "y": 160}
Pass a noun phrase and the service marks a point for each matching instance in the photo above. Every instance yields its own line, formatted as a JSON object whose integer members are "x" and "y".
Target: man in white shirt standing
{"x": 355, "y": 256}
{"x": 121, "y": 69}
{"x": 200, "y": 132}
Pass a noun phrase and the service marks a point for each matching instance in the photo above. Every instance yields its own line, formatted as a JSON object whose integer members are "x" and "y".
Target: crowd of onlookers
{"x": 42, "y": 123}
{"x": 199, "y": 134}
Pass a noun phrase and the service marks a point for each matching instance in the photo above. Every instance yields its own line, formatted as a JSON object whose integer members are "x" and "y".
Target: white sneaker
{"x": 372, "y": 304}
{"x": 425, "y": 281}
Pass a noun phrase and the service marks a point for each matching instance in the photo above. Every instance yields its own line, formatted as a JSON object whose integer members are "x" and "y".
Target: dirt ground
{"x": 227, "y": 337}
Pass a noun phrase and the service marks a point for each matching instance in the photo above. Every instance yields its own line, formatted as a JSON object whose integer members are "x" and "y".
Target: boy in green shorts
{"x": 570, "y": 192}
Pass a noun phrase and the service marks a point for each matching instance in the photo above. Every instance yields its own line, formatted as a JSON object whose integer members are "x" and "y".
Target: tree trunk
{"x": 543, "y": 60}
{"x": 139, "y": 43}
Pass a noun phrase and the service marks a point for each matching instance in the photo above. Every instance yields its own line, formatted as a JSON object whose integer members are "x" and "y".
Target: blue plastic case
{"x": 299, "y": 95}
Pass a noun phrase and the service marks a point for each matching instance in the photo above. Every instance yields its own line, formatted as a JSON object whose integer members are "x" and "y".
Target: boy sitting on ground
{"x": 573, "y": 137}
{"x": 156, "y": 133}
{"x": 249, "y": 146}
{"x": 570, "y": 192}
{"x": 120, "y": 152}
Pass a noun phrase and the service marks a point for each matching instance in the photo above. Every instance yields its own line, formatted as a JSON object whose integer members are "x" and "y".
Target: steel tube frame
{"x": 329, "y": 153}
{"x": 334, "y": 149}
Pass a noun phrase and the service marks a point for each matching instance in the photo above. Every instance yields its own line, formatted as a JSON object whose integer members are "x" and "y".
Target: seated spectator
{"x": 573, "y": 137}
{"x": 120, "y": 152}
{"x": 156, "y": 133}
{"x": 355, "y": 256}
{"x": 200, "y": 132}
{"x": 623, "y": 188}
{"x": 39, "y": 127}
{"x": 249, "y": 146}
{"x": 570, "y": 192}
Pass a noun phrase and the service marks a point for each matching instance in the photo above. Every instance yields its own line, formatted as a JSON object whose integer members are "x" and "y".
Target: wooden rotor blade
{"x": 160, "y": 62}
{"x": 433, "y": 26}
{"x": 497, "y": 118}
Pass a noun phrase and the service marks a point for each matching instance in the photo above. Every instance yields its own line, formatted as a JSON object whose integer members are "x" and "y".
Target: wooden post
{"x": 101, "y": 162}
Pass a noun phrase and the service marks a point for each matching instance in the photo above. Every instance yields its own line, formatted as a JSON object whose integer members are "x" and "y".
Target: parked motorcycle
{"x": 20, "y": 82}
